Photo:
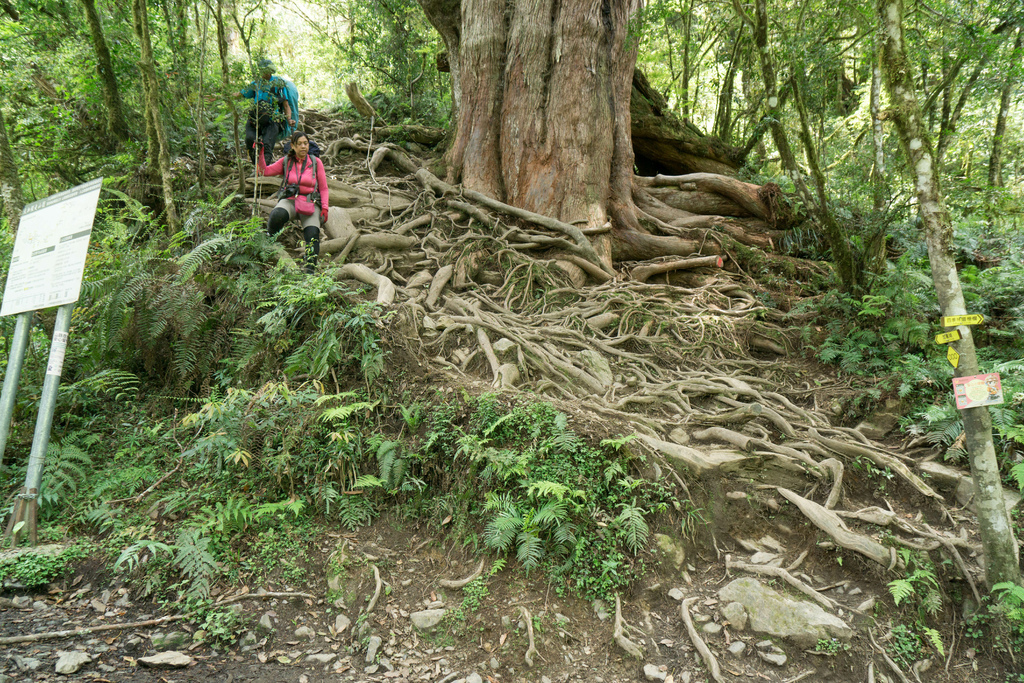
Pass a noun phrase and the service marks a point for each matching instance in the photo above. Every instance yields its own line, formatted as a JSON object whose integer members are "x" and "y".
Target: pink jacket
{"x": 308, "y": 181}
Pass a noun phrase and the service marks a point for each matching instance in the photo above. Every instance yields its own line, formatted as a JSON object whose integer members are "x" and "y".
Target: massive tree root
{"x": 682, "y": 351}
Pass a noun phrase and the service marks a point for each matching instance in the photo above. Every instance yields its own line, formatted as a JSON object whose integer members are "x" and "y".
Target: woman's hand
{"x": 323, "y": 215}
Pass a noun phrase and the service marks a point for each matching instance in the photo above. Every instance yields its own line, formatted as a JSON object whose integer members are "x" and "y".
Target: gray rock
{"x": 305, "y": 633}
{"x": 71, "y": 662}
{"x": 40, "y": 606}
{"x": 4, "y": 678}
{"x": 372, "y": 669}
{"x": 601, "y": 609}
{"x": 676, "y": 594}
{"x": 371, "y": 649}
{"x": 247, "y": 640}
{"x": 21, "y": 601}
{"x": 712, "y": 628}
{"x": 735, "y": 614}
{"x": 506, "y": 349}
{"x": 770, "y": 612}
{"x": 878, "y": 424}
{"x": 763, "y": 558}
{"x": 266, "y": 623}
{"x": 653, "y": 672}
{"x": 322, "y": 658}
{"x": 493, "y": 663}
{"x": 170, "y": 641}
{"x": 506, "y": 622}
{"x": 764, "y": 645}
{"x": 545, "y": 679}
{"x": 737, "y": 647}
{"x": 427, "y": 619}
{"x": 132, "y": 644}
{"x": 671, "y": 549}
{"x": 866, "y": 606}
{"x": 341, "y": 622}
{"x": 474, "y": 678}
{"x": 776, "y": 658}
{"x": 26, "y": 663}
{"x": 171, "y": 659}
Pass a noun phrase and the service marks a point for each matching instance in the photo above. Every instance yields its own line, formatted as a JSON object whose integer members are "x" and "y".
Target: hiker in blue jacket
{"x": 271, "y": 113}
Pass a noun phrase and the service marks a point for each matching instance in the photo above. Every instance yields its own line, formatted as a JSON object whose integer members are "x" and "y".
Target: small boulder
{"x": 305, "y": 633}
{"x": 427, "y": 619}
{"x": 770, "y": 612}
{"x": 653, "y": 672}
{"x": 71, "y": 662}
{"x": 171, "y": 659}
{"x": 735, "y": 614}
{"x": 671, "y": 549}
{"x": 371, "y": 649}
{"x": 737, "y": 648}
{"x": 170, "y": 641}
{"x": 341, "y": 622}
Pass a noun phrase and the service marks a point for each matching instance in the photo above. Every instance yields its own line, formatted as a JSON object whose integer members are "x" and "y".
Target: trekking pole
{"x": 256, "y": 151}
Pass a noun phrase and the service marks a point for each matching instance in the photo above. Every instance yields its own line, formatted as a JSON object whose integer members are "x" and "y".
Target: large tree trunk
{"x": 10, "y": 183}
{"x": 152, "y": 89}
{"x": 116, "y": 123}
{"x": 1001, "y": 552}
{"x": 225, "y": 77}
{"x": 543, "y": 91}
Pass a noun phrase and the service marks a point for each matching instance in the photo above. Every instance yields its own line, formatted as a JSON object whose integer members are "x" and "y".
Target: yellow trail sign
{"x": 947, "y": 337}
{"x": 954, "y": 320}
{"x": 953, "y": 357}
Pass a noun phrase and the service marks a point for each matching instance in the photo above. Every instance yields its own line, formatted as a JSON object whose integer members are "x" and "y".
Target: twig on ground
{"x": 73, "y": 633}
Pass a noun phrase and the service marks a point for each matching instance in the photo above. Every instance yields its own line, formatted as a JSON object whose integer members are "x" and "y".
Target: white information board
{"x": 49, "y": 251}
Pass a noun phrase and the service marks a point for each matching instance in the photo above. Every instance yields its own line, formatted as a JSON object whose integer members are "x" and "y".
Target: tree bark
{"x": 841, "y": 253}
{"x": 663, "y": 143}
{"x": 117, "y": 125}
{"x": 152, "y": 88}
{"x": 995, "y": 160}
{"x": 543, "y": 116}
{"x": 225, "y": 77}
{"x": 1000, "y": 547}
{"x": 10, "y": 183}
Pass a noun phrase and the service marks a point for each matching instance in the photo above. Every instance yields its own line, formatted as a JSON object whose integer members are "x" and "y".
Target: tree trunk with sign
{"x": 1000, "y": 547}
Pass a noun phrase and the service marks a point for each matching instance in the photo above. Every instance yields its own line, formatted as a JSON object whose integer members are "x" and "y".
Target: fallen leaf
{"x": 501, "y": 640}
{"x": 446, "y": 520}
{"x": 262, "y": 656}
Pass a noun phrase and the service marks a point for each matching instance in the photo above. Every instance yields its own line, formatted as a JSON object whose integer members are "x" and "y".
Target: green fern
{"x": 194, "y": 559}
{"x": 1017, "y": 472}
{"x": 200, "y": 255}
{"x": 633, "y": 526}
{"x": 529, "y": 549}
{"x": 935, "y": 638}
{"x": 901, "y": 589}
{"x": 66, "y": 466}
{"x": 133, "y": 554}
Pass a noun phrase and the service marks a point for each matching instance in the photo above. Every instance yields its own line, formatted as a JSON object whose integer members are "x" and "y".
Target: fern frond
{"x": 901, "y": 589}
{"x": 529, "y": 550}
{"x": 936, "y": 640}
{"x": 203, "y": 253}
{"x": 634, "y": 527}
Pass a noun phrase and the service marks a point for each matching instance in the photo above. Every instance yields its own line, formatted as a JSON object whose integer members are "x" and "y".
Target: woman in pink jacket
{"x": 303, "y": 195}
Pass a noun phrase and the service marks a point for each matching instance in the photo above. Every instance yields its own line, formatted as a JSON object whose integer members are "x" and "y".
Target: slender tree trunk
{"x": 1000, "y": 547}
{"x": 877, "y": 138}
{"x": 723, "y": 114}
{"x": 841, "y": 253}
{"x": 152, "y": 87}
{"x": 10, "y": 183}
{"x": 225, "y": 76}
{"x": 116, "y": 122}
{"x": 995, "y": 160}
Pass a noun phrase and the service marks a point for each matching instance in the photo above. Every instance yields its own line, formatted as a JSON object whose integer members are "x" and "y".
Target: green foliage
{"x": 33, "y": 569}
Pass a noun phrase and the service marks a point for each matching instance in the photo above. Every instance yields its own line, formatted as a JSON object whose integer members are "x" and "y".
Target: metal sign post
{"x": 18, "y": 346}
{"x": 46, "y": 270}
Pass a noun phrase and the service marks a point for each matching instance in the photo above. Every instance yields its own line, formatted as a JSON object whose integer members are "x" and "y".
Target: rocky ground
{"x": 421, "y": 629}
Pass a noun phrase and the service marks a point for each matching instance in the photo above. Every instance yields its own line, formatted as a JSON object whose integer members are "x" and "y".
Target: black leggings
{"x": 269, "y": 131}
{"x": 311, "y": 233}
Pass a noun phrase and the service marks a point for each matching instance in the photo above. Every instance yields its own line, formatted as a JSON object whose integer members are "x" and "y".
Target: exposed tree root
{"x": 531, "y": 649}
{"x": 619, "y": 633}
{"x": 705, "y": 653}
{"x": 780, "y": 573}
{"x": 462, "y": 583}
